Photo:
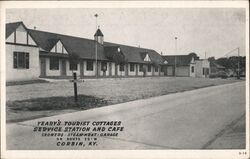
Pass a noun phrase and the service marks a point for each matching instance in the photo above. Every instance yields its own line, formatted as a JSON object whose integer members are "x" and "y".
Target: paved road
{"x": 187, "y": 120}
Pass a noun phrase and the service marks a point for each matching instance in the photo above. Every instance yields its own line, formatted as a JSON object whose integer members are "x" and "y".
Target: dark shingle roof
{"x": 134, "y": 54}
{"x": 84, "y": 48}
{"x": 11, "y": 27}
{"x": 181, "y": 60}
{"x": 112, "y": 53}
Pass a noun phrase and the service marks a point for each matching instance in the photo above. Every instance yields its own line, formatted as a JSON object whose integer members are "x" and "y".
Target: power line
{"x": 231, "y": 51}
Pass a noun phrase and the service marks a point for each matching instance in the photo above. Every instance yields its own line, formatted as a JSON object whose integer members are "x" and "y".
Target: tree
{"x": 211, "y": 59}
{"x": 74, "y": 59}
{"x": 232, "y": 63}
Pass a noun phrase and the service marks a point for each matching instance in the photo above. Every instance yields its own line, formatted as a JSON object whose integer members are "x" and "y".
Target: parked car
{"x": 220, "y": 74}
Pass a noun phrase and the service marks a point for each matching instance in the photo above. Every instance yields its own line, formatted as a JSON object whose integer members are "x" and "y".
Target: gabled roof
{"x": 110, "y": 51}
{"x": 84, "y": 48}
{"x": 11, "y": 27}
{"x": 134, "y": 54}
{"x": 114, "y": 53}
{"x": 98, "y": 33}
{"x": 180, "y": 60}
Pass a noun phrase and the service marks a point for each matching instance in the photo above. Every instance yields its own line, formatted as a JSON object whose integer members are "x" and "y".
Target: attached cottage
{"x": 185, "y": 66}
{"x": 32, "y": 53}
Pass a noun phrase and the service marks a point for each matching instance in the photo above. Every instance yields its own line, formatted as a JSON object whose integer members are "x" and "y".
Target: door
{"x": 63, "y": 69}
{"x": 165, "y": 70}
{"x": 110, "y": 69}
{"x": 43, "y": 67}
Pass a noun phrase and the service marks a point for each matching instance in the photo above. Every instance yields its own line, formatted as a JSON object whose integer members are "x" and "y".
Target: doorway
{"x": 63, "y": 69}
{"x": 43, "y": 67}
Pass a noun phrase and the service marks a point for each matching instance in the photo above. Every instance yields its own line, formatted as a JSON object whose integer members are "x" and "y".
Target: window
{"x": 104, "y": 66}
{"x": 149, "y": 68}
{"x": 156, "y": 68}
{"x": 207, "y": 71}
{"x": 192, "y": 69}
{"x": 162, "y": 68}
{"x": 73, "y": 66}
{"x": 141, "y": 68}
{"x": 90, "y": 66}
{"x": 203, "y": 71}
{"x": 21, "y": 60}
{"x": 54, "y": 63}
{"x": 121, "y": 67}
{"x": 132, "y": 67}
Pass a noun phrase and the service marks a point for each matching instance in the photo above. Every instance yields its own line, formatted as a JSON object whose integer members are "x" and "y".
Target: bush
{"x": 222, "y": 74}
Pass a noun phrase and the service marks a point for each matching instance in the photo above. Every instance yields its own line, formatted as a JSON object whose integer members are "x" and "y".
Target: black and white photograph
{"x": 114, "y": 77}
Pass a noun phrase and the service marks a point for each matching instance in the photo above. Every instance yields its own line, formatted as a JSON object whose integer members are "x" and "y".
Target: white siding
{"x": 101, "y": 73}
{"x": 52, "y": 72}
{"x": 21, "y": 35}
{"x": 131, "y": 73}
{"x": 70, "y": 72}
{"x": 59, "y": 48}
{"x": 199, "y": 65}
{"x": 120, "y": 73}
{"x": 156, "y": 73}
{"x": 30, "y": 41}
{"x": 147, "y": 58}
{"x": 192, "y": 74}
{"x": 87, "y": 72}
{"x": 15, "y": 74}
{"x": 113, "y": 69}
{"x": 151, "y": 72}
{"x": 139, "y": 73}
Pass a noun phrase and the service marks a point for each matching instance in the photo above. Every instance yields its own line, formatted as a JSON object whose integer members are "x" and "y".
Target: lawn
{"x": 45, "y": 99}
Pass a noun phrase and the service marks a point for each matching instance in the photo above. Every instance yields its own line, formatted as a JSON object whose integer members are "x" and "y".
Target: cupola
{"x": 99, "y": 36}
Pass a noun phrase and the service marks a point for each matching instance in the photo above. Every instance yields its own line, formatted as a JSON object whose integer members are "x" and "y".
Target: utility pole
{"x": 238, "y": 76}
{"x": 175, "y": 56}
{"x": 96, "y": 15}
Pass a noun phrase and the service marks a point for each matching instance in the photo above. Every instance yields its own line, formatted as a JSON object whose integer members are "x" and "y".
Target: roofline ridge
{"x": 129, "y": 46}
{"x": 15, "y": 22}
{"x": 61, "y": 34}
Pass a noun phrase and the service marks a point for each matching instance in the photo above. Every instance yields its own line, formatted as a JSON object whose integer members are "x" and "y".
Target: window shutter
{"x": 15, "y": 60}
{"x": 27, "y": 61}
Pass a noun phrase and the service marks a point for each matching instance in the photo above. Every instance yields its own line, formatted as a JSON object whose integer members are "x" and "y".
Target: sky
{"x": 215, "y": 31}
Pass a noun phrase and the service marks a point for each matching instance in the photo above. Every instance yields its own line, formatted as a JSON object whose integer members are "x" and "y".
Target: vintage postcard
{"x": 129, "y": 79}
